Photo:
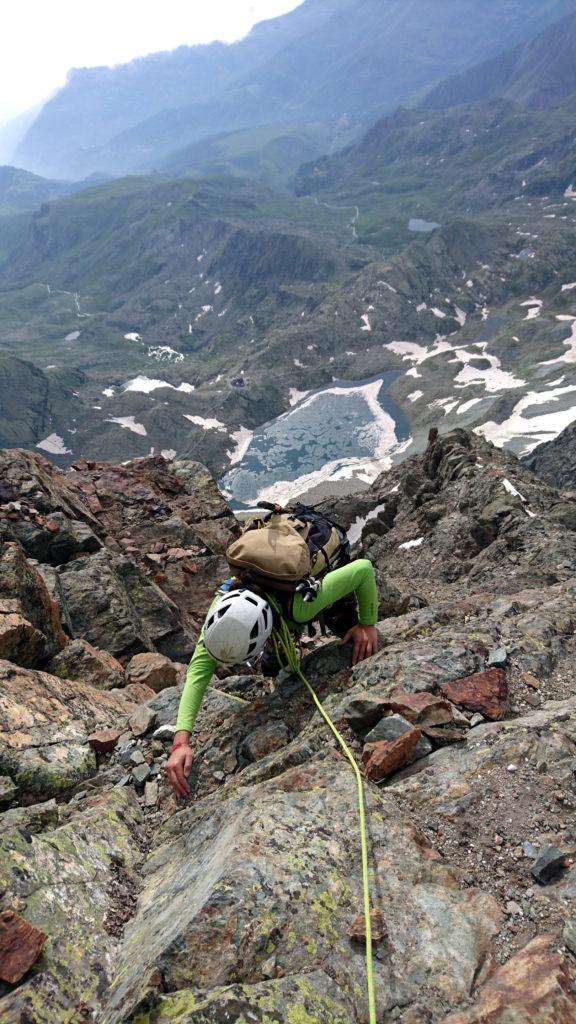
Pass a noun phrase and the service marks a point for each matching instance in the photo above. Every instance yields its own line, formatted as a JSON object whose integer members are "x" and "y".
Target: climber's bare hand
{"x": 178, "y": 768}
{"x": 364, "y": 640}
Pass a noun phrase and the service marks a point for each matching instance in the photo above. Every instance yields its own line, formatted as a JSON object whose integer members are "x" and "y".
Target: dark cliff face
{"x": 555, "y": 461}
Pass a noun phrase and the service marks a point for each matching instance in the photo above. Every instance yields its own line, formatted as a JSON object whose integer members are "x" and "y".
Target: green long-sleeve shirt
{"x": 356, "y": 578}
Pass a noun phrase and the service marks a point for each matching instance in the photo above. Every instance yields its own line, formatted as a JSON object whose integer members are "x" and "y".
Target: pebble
{"x": 549, "y": 864}
{"x": 136, "y": 757}
{"x": 140, "y": 774}
{"x": 269, "y": 968}
{"x": 497, "y": 658}
{"x": 141, "y": 720}
{"x": 512, "y": 768}
{"x": 122, "y": 782}
{"x": 151, "y": 794}
{"x": 531, "y": 851}
{"x": 476, "y": 719}
{"x": 513, "y": 909}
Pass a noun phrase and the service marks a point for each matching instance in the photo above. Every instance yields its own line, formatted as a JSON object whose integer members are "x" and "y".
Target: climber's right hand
{"x": 178, "y": 768}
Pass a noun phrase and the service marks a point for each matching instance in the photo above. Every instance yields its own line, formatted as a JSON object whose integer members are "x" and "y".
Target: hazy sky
{"x": 41, "y": 39}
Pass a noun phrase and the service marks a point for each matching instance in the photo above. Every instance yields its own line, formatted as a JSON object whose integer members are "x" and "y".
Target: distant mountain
{"x": 21, "y": 190}
{"x": 326, "y": 60}
{"x": 538, "y": 74}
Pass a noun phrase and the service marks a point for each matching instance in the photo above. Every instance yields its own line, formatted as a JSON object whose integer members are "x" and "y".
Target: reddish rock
{"x": 422, "y": 709}
{"x": 103, "y": 741}
{"x": 486, "y": 692}
{"x": 357, "y": 932}
{"x": 532, "y": 988}
{"x": 137, "y": 692}
{"x": 384, "y": 758}
{"x": 153, "y": 670}
{"x": 20, "y": 946}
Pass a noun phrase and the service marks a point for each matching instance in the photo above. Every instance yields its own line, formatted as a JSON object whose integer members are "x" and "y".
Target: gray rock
{"x": 136, "y": 757}
{"x": 141, "y": 720}
{"x": 476, "y": 719}
{"x": 141, "y": 773}
{"x": 34, "y": 818}
{"x": 264, "y": 740}
{"x": 394, "y": 726}
{"x": 151, "y": 794}
{"x": 549, "y": 865}
{"x": 164, "y": 733}
{"x": 8, "y": 791}
{"x": 530, "y": 851}
{"x": 497, "y": 658}
{"x": 569, "y": 935}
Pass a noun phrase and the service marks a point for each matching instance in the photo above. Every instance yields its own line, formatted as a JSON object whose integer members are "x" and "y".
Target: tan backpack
{"x": 290, "y": 549}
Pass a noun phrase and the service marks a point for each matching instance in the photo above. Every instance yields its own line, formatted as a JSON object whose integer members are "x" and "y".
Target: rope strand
{"x": 287, "y": 655}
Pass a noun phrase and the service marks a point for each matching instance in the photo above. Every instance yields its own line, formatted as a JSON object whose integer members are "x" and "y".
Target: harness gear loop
{"x": 287, "y": 655}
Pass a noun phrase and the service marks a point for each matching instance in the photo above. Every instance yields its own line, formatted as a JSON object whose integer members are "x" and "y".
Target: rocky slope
{"x": 123, "y": 907}
{"x": 555, "y": 461}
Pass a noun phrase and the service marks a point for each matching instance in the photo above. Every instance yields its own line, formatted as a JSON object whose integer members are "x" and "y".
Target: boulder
{"x": 533, "y": 986}
{"x": 421, "y": 709}
{"x": 52, "y": 540}
{"x": 23, "y": 585}
{"x": 70, "y": 890}
{"x": 7, "y": 791}
{"x": 44, "y": 724}
{"x": 103, "y": 741}
{"x": 269, "y": 737}
{"x": 484, "y": 692}
{"x": 80, "y": 660}
{"x": 20, "y": 641}
{"x": 110, "y": 603}
{"x": 152, "y": 670}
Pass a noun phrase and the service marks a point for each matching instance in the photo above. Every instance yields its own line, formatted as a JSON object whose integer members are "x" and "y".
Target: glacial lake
{"x": 348, "y": 429}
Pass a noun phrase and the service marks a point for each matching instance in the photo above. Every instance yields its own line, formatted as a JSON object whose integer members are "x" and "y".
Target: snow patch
{"x": 165, "y": 354}
{"x": 355, "y": 531}
{"x": 54, "y": 444}
{"x": 73, "y": 336}
{"x": 108, "y": 392}
{"x": 569, "y": 287}
{"x": 509, "y": 486}
{"x": 414, "y": 396}
{"x": 411, "y": 544}
{"x": 207, "y": 424}
{"x": 128, "y": 423}
{"x": 145, "y": 385}
{"x": 366, "y": 325}
{"x": 168, "y": 453}
{"x": 132, "y": 336}
{"x": 468, "y": 405}
{"x": 538, "y": 428}
{"x": 295, "y": 396}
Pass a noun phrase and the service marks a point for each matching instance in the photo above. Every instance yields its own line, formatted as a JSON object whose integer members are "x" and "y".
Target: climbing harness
{"x": 287, "y": 655}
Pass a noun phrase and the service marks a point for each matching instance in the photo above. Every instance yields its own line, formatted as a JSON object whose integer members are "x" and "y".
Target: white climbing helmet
{"x": 237, "y": 627}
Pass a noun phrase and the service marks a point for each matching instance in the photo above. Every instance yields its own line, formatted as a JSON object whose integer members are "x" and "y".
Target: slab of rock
{"x": 296, "y": 832}
{"x": 152, "y": 670}
{"x": 136, "y": 692}
{"x": 394, "y": 726}
{"x": 485, "y": 692}
{"x": 383, "y": 758}
{"x": 20, "y": 946}
{"x": 141, "y": 720}
{"x": 150, "y": 794}
{"x": 534, "y": 986}
{"x": 103, "y": 741}
{"x": 80, "y": 660}
{"x": 569, "y": 935}
{"x": 44, "y": 725}
{"x": 35, "y": 818}
{"x": 141, "y": 773}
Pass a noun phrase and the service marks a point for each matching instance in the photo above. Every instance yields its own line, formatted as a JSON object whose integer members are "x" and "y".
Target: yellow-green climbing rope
{"x": 287, "y": 656}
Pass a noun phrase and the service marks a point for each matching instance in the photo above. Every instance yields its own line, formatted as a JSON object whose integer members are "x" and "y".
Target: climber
{"x": 240, "y": 622}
